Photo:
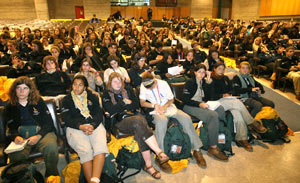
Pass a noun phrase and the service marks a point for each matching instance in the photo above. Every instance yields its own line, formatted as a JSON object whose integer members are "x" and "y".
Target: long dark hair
{"x": 85, "y": 45}
{"x": 136, "y": 59}
{"x": 39, "y": 44}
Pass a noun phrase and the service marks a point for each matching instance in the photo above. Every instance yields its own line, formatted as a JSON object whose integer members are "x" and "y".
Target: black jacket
{"x": 120, "y": 106}
{"x": 238, "y": 90}
{"x": 39, "y": 113}
{"x": 188, "y": 67}
{"x": 219, "y": 87}
{"x": 72, "y": 116}
{"x": 162, "y": 68}
{"x": 199, "y": 56}
{"x": 53, "y": 84}
{"x": 287, "y": 63}
{"x": 152, "y": 56}
{"x": 212, "y": 62}
{"x": 38, "y": 56}
{"x": 30, "y": 69}
{"x": 126, "y": 50}
{"x": 135, "y": 77}
{"x": 190, "y": 89}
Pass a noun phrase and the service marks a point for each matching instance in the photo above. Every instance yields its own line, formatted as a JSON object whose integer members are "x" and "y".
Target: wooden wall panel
{"x": 279, "y": 7}
{"x": 157, "y": 12}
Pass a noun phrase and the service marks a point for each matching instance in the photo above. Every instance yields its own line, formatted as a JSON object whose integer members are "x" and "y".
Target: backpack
{"x": 276, "y": 128}
{"x": 109, "y": 172}
{"x": 21, "y": 172}
{"x": 177, "y": 144}
{"x": 224, "y": 146}
{"x": 126, "y": 160}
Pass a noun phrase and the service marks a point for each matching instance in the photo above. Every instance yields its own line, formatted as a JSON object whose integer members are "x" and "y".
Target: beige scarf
{"x": 81, "y": 103}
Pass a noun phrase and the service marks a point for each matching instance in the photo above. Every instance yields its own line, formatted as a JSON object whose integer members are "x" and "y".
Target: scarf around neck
{"x": 244, "y": 84}
{"x": 81, "y": 103}
{"x": 214, "y": 75}
{"x": 112, "y": 93}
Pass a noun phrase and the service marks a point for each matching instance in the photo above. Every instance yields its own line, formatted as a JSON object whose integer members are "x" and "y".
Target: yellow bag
{"x": 116, "y": 144}
{"x": 71, "y": 172}
{"x": 229, "y": 62}
{"x": 177, "y": 166}
{"x": 267, "y": 113}
{"x": 53, "y": 179}
{"x": 5, "y": 85}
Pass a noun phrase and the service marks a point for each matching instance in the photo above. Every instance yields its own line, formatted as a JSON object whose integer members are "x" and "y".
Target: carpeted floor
{"x": 289, "y": 111}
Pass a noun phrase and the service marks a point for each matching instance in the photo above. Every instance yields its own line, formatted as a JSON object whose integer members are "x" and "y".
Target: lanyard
{"x": 180, "y": 55}
{"x": 158, "y": 95}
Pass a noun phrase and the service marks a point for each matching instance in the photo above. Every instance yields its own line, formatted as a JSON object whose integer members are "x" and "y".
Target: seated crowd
{"x": 102, "y": 70}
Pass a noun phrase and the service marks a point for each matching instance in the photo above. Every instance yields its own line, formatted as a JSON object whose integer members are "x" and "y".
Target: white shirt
{"x": 160, "y": 94}
{"x": 119, "y": 70}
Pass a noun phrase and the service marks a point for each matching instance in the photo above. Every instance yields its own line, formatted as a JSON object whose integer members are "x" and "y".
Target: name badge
{"x": 221, "y": 139}
{"x": 200, "y": 124}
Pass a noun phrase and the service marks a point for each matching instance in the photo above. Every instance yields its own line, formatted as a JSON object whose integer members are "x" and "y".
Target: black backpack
{"x": 115, "y": 169}
{"x": 276, "y": 129}
{"x": 126, "y": 160}
{"x": 21, "y": 172}
{"x": 177, "y": 144}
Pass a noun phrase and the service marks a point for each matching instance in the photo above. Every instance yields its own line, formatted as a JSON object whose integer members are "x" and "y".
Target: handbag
{"x": 28, "y": 131}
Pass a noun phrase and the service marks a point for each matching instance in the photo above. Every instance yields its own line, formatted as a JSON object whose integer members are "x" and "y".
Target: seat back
{"x": 276, "y": 70}
{"x": 52, "y": 109}
{"x": 3, "y": 141}
{"x": 168, "y": 49}
{"x": 2, "y": 126}
{"x": 4, "y": 70}
{"x": 177, "y": 89}
{"x": 297, "y": 53}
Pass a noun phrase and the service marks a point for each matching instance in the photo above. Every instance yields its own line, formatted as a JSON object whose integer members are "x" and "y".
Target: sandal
{"x": 146, "y": 169}
{"x": 161, "y": 159}
{"x": 163, "y": 163}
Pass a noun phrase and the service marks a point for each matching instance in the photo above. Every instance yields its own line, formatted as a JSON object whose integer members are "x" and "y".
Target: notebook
{"x": 13, "y": 147}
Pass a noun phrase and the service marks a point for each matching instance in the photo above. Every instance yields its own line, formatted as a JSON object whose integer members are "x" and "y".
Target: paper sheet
{"x": 213, "y": 105}
{"x": 175, "y": 70}
{"x": 174, "y": 42}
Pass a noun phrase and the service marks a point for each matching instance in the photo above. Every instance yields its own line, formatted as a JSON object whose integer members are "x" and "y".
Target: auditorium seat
{"x": 61, "y": 140}
{"x": 177, "y": 89}
{"x": 4, "y": 70}
{"x": 3, "y": 140}
{"x": 281, "y": 77}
